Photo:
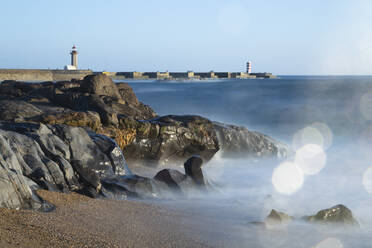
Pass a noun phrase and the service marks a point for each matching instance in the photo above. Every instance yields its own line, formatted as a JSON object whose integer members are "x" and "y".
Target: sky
{"x": 283, "y": 37}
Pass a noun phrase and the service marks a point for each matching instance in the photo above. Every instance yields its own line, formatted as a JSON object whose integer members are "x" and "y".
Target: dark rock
{"x": 170, "y": 140}
{"x": 13, "y": 110}
{"x": 59, "y": 158}
{"x": 100, "y": 85}
{"x": 239, "y": 141}
{"x": 134, "y": 185}
{"x": 277, "y": 218}
{"x": 193, "y": 169}
{"x": 338, "y": 214}
{"x": 109, "y": 147}
{"x": 127, "y": 94}
{"x": 107, "y": 114}
{"x": 170, "y": 177}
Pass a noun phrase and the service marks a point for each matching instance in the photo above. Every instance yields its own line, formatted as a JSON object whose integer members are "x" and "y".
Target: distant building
{"x": 74, "y": 60}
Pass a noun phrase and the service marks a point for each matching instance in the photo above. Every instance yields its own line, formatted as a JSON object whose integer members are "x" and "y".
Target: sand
{"x": 79, "y": 221}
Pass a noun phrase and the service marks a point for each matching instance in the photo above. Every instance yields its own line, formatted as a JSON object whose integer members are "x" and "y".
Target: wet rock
{"x": 109, "y": 147}
{"x": 172, "y": 178}
{"x": 239, "y": 141}
{"x": 277, "y": 218}
{"x": 193, "y": 169}
{"x": 338, "y": 214}
{"x": 170, "y": 140}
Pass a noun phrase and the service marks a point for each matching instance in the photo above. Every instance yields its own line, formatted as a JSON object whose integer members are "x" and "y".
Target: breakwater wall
{"x": 187, "y": 75}
{"x": 30, "y": 75}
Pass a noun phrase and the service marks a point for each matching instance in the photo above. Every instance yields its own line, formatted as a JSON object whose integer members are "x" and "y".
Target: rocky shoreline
{"x": 85, "y": 137}
{"x": 76, "y": 136}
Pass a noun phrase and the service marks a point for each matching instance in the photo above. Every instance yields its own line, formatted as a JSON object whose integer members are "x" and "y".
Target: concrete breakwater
{"x": 187, "y": 75}
{"x": 37, "y": 75}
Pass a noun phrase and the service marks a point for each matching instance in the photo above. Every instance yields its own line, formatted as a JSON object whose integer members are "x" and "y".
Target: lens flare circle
{"x": 317, "y": 133}
{"x": 287, "y": 178}
{"x": 311, "y": 159}
{"x": 330, "y": 243}
{"x": 367, "y": 180}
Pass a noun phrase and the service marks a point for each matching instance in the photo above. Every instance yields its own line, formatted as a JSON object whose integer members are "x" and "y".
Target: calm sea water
{"x": 334, "y": 114}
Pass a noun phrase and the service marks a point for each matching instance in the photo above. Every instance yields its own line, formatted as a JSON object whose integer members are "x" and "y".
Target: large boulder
{"x": 170, "y": 140}
{"x": 58, "y": 157}
{"x": 239, "y": 141}
{"x": 100, "y": 85}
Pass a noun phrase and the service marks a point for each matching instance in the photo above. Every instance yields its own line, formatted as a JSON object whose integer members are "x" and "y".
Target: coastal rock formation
{"x": 338, "y": 214}
{"x": 113, "y": 110}
{"x": 239, "y": 141}
{"x": 71, "y": 159}
{"x": 58, "y": 158}
{"x": 276, "y": 218}
{"x": 171, "y": 140}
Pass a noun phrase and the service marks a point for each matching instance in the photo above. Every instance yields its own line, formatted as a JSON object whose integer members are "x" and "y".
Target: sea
{"x": 327, "y": 123}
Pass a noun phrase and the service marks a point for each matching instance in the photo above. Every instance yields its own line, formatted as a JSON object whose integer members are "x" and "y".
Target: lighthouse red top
{"x": 74, "y": 51}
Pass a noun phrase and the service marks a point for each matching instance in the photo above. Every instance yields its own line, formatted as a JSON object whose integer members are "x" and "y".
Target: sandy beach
{"x": 79, "y": 221}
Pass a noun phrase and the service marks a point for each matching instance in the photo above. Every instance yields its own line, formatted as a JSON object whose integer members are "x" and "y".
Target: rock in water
{"x": 170, "y": 177}
{"x": 193, "y": 169}
{"x": 277, "y": 218}
{"x": 170, "y": 140}
{"x": 239, "y": 141}
{"x": 338, "y": 215}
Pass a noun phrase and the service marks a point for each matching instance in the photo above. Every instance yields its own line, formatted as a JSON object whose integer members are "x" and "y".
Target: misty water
{"x": 329, "y": 115}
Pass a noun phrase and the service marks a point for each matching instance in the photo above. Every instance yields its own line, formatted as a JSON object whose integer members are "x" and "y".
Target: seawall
{"x": 30, "y": 75}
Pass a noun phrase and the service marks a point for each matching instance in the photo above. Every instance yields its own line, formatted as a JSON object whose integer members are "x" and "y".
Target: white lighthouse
{"x": 74, "y": 59}
{"x": 249, "y": 67}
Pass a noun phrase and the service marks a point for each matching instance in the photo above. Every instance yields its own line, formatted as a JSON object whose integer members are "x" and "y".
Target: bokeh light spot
{"x": 287, "y": 178}
{"x": 317, "y": 133}
{"x": 310, "y": 159}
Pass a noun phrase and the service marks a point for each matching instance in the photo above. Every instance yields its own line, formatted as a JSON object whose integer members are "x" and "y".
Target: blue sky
{"x": 283, "y": 37}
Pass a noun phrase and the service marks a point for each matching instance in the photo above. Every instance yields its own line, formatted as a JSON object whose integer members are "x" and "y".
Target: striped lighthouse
{"x": 249, "y": 67}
